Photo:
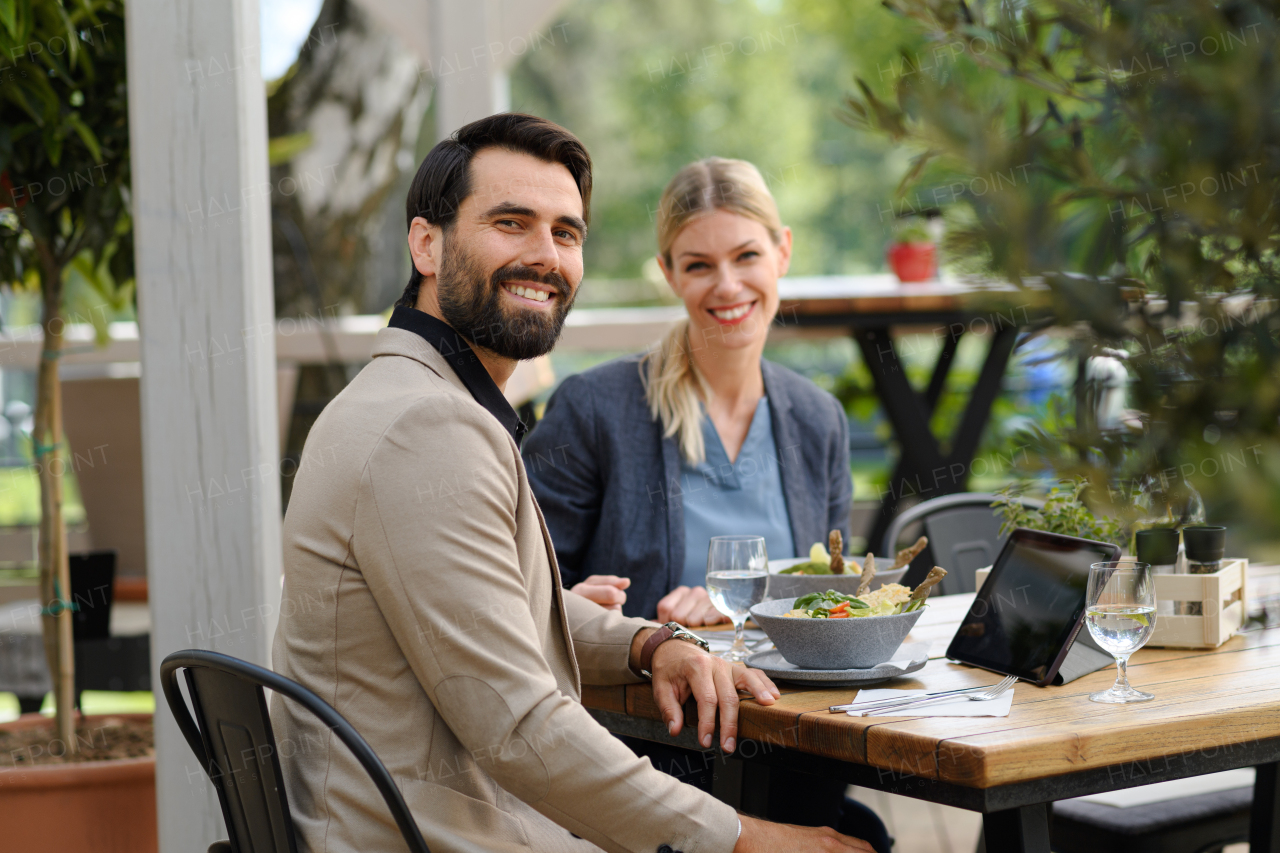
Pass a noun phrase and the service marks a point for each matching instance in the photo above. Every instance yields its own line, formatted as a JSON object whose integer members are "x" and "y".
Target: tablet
{"x": 1028, "y": 612}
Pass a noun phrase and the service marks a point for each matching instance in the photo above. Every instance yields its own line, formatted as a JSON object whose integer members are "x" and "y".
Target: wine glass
{"x": 737, "y": 574}
{"x": 1120, "y": 610}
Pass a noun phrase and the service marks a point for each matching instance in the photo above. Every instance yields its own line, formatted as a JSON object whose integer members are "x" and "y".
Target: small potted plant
{"x": 912, "y": 255}
{"x": 1065, "y": 511}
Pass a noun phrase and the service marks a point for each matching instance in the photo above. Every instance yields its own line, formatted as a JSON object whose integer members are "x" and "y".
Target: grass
{"x": 20, "y": 498}
{"x": 91, "y": 702}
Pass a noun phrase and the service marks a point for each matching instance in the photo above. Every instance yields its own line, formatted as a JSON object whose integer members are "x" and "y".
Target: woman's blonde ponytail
{"x": 671, "y": 386}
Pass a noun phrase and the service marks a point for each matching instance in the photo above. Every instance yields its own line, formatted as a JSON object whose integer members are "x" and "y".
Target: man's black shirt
{"x": 457, "y": 351}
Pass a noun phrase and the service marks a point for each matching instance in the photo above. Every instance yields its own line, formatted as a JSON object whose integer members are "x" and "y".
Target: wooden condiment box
{"x": 1224, "y": 606}
{"x": 1223, "y": 600}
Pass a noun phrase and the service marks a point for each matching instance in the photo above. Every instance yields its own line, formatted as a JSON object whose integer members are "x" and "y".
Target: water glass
{"x": 737, "y": 574}
{"x": 1120, "y": 610}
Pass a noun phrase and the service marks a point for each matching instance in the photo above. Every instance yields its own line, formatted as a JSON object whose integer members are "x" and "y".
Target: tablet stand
{"x": 1084, "y": 656}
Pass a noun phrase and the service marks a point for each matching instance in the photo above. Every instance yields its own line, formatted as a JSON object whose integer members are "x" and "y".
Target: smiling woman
{"x": 637, "y": 463}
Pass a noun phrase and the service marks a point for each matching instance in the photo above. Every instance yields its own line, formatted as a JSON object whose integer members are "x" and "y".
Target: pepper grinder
{"x": 1204, "y": 545}
{"x": 1159, "y": 547}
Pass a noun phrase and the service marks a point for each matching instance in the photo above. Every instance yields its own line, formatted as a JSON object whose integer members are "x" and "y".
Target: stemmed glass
{"x": 737, "y": 574}
{"x": 1120, "y": 610}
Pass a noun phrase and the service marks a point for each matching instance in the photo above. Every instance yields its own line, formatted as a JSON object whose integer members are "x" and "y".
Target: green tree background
{"x": 650, "y": 85}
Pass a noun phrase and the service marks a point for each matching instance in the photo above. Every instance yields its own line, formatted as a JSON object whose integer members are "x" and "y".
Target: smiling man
{"x": 450, "y": 644}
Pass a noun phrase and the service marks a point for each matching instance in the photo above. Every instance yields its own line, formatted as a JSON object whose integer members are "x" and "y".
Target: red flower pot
{"x": 913, "y": 261}
{"x": 99, "y": 806}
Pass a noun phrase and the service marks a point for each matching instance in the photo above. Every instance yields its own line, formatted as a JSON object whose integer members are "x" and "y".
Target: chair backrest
{"x": 232, "y": 738}
{"x": 964, "y": 535}
{"x": 93, "y": 574}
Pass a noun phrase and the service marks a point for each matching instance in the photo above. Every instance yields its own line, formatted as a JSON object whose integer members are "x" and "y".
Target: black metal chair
{"x": 232, "y": 738}
{"x": 964, "y": 535}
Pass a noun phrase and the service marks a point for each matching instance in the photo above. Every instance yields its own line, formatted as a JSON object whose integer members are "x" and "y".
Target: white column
{"x": 197, "y": 118}
{"x": 474, "y": 43}
{"x": 465, "y": 77}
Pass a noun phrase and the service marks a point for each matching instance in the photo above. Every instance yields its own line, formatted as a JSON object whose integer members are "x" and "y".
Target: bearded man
{"x": 447, "y": 640}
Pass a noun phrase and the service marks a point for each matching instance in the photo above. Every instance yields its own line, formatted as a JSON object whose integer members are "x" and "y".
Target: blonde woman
{"x": 639, "y": 462}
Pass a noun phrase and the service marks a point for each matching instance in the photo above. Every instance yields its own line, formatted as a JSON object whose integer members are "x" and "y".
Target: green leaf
{"x": 86, "y": 136}
{"x": 8, "y": 16}
{"x": 282, "y": 149}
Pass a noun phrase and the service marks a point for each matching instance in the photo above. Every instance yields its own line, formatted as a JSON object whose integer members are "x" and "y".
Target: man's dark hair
{"x": 443, "y": 180}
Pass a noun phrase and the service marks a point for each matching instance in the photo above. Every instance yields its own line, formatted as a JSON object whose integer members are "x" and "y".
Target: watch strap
{"x": 657, "y": 638}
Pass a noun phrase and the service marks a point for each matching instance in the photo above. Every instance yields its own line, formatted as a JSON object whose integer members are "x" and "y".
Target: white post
{"x": 197, "y": 119}
{"x": 466, "y": 80}
{"x": 474, "y": 43}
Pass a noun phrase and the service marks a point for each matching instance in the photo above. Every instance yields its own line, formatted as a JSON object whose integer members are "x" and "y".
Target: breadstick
{"x": 936, "y": 574}
{"x": 836, "y": 543}
{"x": 906, "y": 555}
{"x": 868, "y": 573}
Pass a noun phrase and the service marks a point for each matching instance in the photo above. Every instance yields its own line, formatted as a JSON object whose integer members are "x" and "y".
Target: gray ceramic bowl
{"x": 794, "y": 586}
{"x": 833, "y": 643}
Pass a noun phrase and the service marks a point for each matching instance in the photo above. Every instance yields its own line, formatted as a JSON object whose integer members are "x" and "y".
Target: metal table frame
{"x": 1015, "y": 817}
{"x": 923, "y": 466}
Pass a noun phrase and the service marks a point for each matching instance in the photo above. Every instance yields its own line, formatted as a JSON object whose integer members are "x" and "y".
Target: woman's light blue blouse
{"x": 722, "y": 498}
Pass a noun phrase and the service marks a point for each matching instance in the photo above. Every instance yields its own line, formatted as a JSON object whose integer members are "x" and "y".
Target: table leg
{"x": 741, "y": 784}
{"x": 1264, "y": 833}
{"x": 909, "y": 412}
{"x": 1021, "y": 830}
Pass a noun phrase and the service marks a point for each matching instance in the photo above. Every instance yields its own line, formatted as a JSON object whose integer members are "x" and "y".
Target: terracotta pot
{"x": 93, "y": 807}
{"x": 913, "y": 261}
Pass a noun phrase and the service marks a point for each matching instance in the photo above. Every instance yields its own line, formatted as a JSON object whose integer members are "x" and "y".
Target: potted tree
{"x": 64, "y": 209}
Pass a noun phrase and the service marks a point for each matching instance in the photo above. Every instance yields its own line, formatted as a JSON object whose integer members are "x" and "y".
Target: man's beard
{"x": 472, "y": 306}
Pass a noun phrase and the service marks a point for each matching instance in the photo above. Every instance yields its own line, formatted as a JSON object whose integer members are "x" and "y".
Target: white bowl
{"x": 794, "y": 586}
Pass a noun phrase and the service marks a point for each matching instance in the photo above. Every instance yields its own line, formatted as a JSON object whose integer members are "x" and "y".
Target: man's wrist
{"x": 637, "y": 644}
{"x": 669, "y": 631}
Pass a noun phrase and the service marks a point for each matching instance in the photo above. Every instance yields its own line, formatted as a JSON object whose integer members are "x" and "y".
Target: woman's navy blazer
{"x": 608, "y": 483}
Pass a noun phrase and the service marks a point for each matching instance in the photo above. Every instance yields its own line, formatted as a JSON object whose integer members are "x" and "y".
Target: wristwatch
{"x": 669, "y": 631}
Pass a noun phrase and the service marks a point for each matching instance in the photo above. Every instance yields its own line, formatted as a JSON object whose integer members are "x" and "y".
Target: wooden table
{"x": 871, "y": 307}
{"x": 1214, "y": 710}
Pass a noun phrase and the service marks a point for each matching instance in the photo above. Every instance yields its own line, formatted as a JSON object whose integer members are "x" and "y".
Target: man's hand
{"x": 760, "y": 836}
{"x": 605, "y": 590}
{"x": 681, "y": 670}
{"x": 689, "y": 606}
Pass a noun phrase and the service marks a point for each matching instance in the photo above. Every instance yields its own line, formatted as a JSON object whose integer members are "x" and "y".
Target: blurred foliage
{"x": 1123, "y": 157}
{"x": 1065, "y": 511}
{"x": 650, "y": 85}
{"x": 64, "y": 153}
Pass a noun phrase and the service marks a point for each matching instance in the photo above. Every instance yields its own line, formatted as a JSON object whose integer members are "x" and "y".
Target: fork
{"x": 950, "y": 695}
{"x": 993, "y": 692}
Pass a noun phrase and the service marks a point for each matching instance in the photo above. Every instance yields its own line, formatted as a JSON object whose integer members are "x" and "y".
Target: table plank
{"x": 1199, "y": 724}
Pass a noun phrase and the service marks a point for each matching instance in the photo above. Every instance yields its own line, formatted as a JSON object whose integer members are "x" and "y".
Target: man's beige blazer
{"x": 422, "y": 600}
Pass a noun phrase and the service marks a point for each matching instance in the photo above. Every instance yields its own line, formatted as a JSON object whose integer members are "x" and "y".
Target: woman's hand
{"x": 689, "y": 606}
{"x": 605, "y": 590}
